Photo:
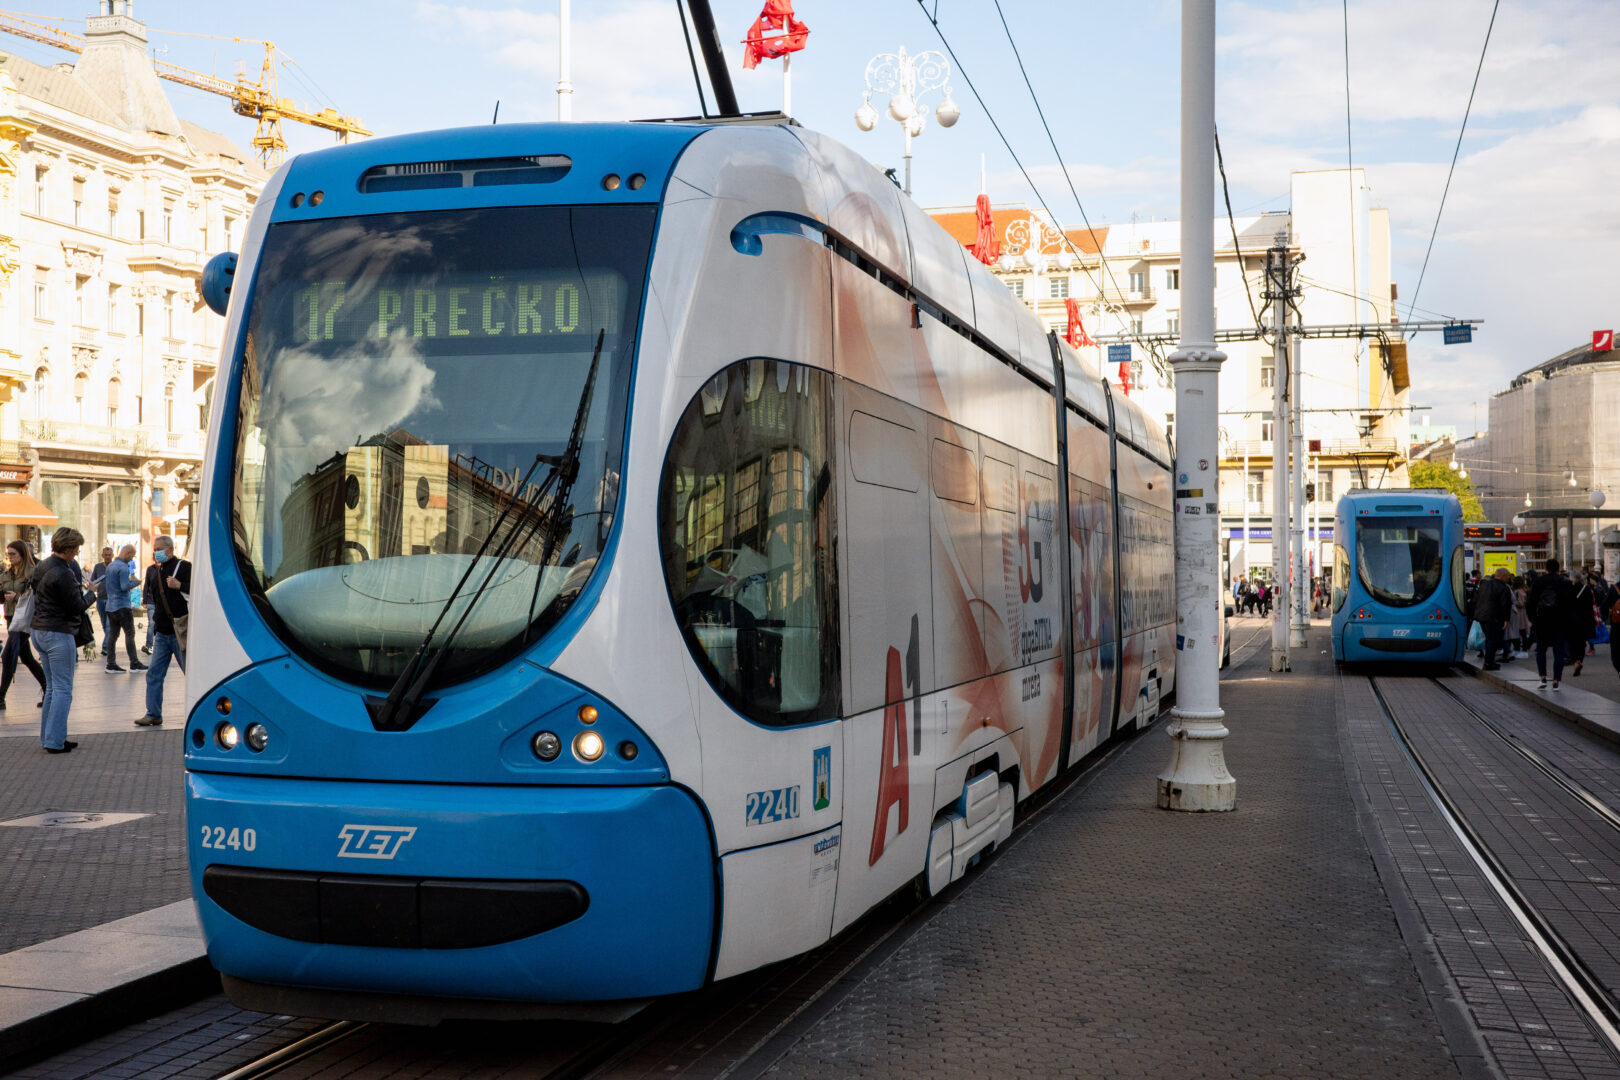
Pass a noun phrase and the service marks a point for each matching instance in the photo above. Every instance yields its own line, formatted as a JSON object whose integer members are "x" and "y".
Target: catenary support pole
{"x": 1296, "y": 421}
{"x": 1277, "y": 271}
{"x": 1196, "y": 777}
{"x": 565, "y": 66}
{"x": 1246, "y": 563}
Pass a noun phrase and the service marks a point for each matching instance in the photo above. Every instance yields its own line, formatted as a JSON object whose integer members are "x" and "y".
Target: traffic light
{"x": 1310, "y": 492}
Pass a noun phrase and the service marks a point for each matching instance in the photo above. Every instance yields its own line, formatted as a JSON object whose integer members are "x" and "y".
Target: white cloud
{"x": 623, "y": 64}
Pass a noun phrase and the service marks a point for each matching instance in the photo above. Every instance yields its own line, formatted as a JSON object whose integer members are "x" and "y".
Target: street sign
{"x": 1459, "y": 335}
{"x": 1484, "y": 532}
{"x": 1119, "y": 354}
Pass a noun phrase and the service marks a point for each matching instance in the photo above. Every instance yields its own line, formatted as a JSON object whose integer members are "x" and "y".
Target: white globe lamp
{"x": 866, "y": 117}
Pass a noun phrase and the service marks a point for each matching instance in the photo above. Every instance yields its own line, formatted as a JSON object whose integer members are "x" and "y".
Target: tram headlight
{"x": 546, "y": 746}
{"x": 226, "y": 736}
{"x": 587, "y": 714}
{"x": 588, "y": 746}
{"x": 257, "y": 737}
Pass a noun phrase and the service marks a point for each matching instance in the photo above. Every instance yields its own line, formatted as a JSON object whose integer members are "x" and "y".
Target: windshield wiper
{"x": 404, "y": 706}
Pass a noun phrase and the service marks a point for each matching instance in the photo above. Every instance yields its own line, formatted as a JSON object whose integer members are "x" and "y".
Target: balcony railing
{"x": 1112, "y": 295}
{"x": 117, "y": 439}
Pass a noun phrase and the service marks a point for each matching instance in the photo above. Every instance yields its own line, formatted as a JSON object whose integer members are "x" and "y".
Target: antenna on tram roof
{"x": 497, "y": 117}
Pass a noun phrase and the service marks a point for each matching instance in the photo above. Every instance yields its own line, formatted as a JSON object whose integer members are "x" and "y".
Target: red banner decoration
{"x": 1076, "y": 335}
{"x": 987, "y": 249}
{"x": 775, "y": 15}
{"x": 1602, "y": 340}
{"x": 1125, "y": 378}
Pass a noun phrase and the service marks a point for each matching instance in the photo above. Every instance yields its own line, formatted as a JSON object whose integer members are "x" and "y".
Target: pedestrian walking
{"x": 1614, "y": 629}
{"x": 1519, "y": 626}
{"x": 16, "y": 581}
{"x": 1582, "y": 622}
{"x": 98, "y": 579}
{"x": 168, "y": 580}
{"x": 119, "y": 582}
{"x": 1493, "y": 607}
{"x": 1549, "y": 604}
{"x": 61, "y": 602}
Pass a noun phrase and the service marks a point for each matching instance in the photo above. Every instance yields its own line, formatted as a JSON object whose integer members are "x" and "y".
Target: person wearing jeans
{"x": 60, "y": 599}
{"x": 119, "y": 582}
{"x": 167, "y": 581}
{"x": 1550, "y": 602}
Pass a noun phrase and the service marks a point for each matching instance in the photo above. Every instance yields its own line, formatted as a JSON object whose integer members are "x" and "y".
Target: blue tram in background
{"x": 1398, "y": 577}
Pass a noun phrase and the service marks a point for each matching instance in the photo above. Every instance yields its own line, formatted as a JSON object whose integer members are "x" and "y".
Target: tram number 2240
{"x": 213, "y": 836}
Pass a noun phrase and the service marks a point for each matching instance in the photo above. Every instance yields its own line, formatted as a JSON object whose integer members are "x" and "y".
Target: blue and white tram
{"x": 1398, "y": 577}
{"x": 629, "y": 553}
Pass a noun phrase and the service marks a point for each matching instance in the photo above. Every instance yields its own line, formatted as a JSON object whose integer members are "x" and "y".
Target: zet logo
{"x": 823, "y": 778}
{"x": 373, "y": 841}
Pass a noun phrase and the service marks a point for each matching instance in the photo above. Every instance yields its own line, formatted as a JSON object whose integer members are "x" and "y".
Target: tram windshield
{"x": 408, "y": 383}
{"x": 1398, "y": 559}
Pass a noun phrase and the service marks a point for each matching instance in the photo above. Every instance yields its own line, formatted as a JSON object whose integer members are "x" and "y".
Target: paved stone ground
{"x": 58, "y": 881}
{"x": 1120, "y": 940}
{"x": 1597, "y": 674}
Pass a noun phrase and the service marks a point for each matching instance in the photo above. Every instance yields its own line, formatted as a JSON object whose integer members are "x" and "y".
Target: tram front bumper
{"x": 547, "y": 894}
{"x": 1417, "y": 641}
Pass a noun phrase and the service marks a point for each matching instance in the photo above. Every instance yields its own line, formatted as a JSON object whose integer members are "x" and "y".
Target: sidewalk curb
{"x": 1605, "y": 727}
{"x": 63, "y": 992}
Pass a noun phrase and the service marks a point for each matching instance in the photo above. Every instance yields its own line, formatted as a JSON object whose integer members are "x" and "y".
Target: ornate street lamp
{"x": 906, "y": 79}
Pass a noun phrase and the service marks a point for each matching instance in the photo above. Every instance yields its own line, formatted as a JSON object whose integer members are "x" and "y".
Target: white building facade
{"x": 109, "y": 207}
{"x": 1126, "y": 280}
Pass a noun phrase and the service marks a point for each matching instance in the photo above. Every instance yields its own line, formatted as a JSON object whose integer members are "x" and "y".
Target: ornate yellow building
{"x": 109, "y": 207}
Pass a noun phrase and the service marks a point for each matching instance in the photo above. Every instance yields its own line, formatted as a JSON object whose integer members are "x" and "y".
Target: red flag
{"x": 1125, "y": 378}
{"x": 987, "y": 249}
{"x": 775, "y": 15}
{"x": 1077, "y": 335}
{"x": 1602, "y": 340}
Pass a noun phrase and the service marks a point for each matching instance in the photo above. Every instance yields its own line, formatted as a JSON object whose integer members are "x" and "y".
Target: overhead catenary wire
{"x": 1350, "y": 180}
{"x": 961, "y": 70}
{"x": 1454, "y": 153}
{"x": 1243, "y": 266}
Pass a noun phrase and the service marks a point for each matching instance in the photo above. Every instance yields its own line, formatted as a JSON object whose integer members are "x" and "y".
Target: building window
{"x": 168, "y": 407}
{"x": 168, "y": 223}
{"x": 140, "y": 224}
{"x": 168, "y": 314}
{"x": 1256, "y": 487}
{"x": 39, "y": 190}
{"x": 114, "y": 389}
{"x": 42, "y": 296}
{"x": 230, "y": 233}
{"x": 1058, "y": 288}
{"x": 1268, "y": 371}
{"x": 78, "y": 202}
{"x": 81, "y": 386}
{"x": 1017, "y": 286}
{"x": 1172, "y": 321}
{"x": 1265, "y": 427}
{"x": 112, "y": 214}
{"x": 1136, "y": 326}
{"x": 112, "y": 309}
{"x": 140, "y": 319}
{"x": 1215, "y": 277}
{"x": 42, "y": 378}
{"x": 1324, "y": 487}
{"x": 1138, "y": 281}
{"x": 1172, "y": 280}
{"x": 81, "y": 313}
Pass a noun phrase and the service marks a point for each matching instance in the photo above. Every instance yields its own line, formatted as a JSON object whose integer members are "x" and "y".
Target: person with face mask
{"x": 168, "y": 580}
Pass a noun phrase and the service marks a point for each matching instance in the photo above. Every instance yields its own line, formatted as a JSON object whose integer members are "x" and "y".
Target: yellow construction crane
{"x": 258, "y": 100}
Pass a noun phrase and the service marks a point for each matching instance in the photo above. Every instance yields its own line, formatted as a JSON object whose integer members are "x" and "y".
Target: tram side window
{"x": 746, "y": 528}
{"x": 1341, "y": 576}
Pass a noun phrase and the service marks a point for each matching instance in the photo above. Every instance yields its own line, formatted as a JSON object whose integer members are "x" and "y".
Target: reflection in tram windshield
{"x": 1398, "y": 559}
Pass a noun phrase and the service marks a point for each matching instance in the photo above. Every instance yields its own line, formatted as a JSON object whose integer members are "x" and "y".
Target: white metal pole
{"x": 787, "y": 84}
{"x": 906, "y": 126}
{"x": 1246, "y": 513}
{"x": 1296, "y": 592}
{"x": 1279, "y": 460}
{"x": 1316, "y": 524}
{"x": 1196, "y": 777}
{"x": 565, "y": 87}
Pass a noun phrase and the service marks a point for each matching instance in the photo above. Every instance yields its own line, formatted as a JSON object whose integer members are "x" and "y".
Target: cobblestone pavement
{"x": 1597, "y": 674}
{"x": 57, "y": 880}
{"x": 1124, "y": 941}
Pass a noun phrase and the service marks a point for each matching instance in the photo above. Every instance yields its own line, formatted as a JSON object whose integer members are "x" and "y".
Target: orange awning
{"x": 20, "y": 508}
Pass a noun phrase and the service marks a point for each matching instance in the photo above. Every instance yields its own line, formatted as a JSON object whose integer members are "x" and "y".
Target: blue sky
{"x": 1531, "y": 228}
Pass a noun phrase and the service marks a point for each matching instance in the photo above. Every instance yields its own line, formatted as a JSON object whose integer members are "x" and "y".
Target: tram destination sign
{"x": 1484, "y": 532}
{"x": 468, "y": 306}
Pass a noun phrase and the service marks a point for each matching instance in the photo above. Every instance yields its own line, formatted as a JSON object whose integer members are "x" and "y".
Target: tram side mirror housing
{"x": 218, "y": 277}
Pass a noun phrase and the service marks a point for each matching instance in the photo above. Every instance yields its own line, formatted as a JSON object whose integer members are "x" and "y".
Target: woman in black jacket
{"x": 15, "y": 581}
{"x": 1582, "y": 625}
{"x": 1549, "y": 606}
{"x": 60, "y": 600}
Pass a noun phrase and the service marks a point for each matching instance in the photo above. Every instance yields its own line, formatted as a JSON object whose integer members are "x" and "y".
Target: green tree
{"x": 1432, "y": 474}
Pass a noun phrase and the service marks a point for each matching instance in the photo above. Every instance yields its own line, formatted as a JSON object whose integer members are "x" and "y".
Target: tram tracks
{"x": 1584, "y": 987}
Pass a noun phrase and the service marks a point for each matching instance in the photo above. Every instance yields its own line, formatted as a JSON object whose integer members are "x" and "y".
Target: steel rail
{"x": 1552, "y": 772}
{"x": 1584, "y": 989}
{"x": 313, "y": 1043}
